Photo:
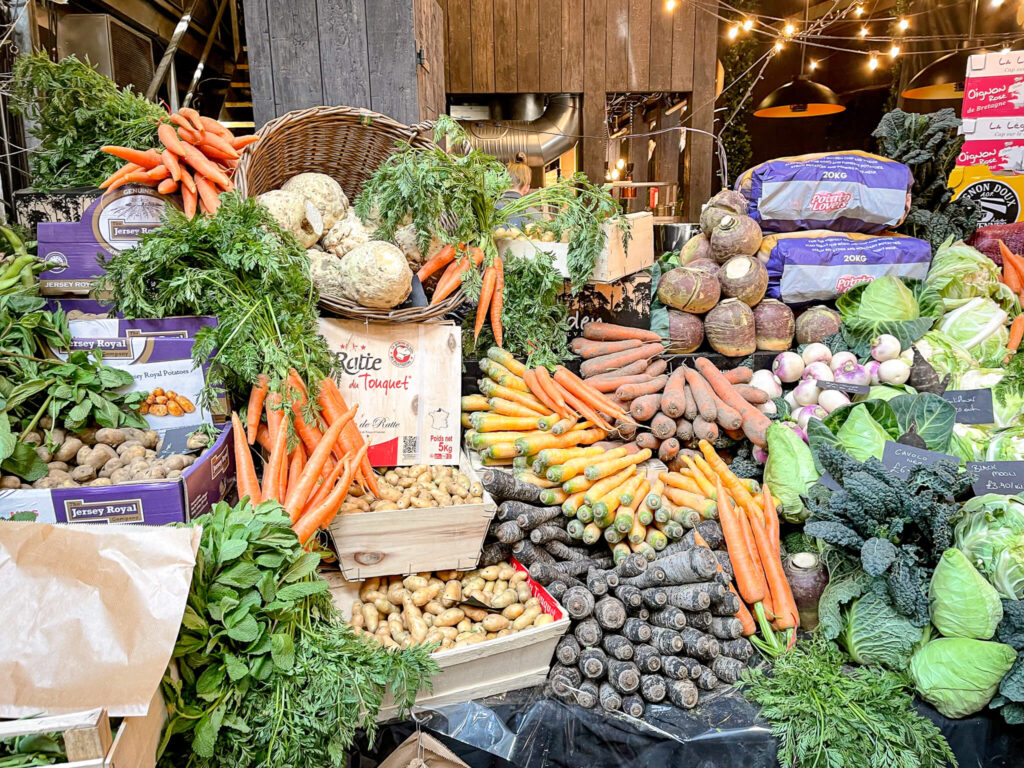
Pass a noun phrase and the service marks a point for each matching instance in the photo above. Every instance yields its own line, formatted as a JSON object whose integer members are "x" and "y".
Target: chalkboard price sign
{"x": 901, "y": 459}
{"x": 973, "y": 406}
{"x": 850, "y": 389}
{"x": 1005, "y": 477}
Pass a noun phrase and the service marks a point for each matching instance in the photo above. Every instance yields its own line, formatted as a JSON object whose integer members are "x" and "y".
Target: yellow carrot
{"x": 573, "y": 467}
{"x": 605, "y": 484}
{"x": 611, "y": 466}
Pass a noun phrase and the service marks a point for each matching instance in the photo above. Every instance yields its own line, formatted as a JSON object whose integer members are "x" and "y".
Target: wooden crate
{"x": 614, "y": 262}
{"x": 88, "y": 740}
{"x": 403, "y": 541}
{"x": 505, "y": 664}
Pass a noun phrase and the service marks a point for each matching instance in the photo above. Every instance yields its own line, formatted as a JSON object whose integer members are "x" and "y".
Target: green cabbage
{"x": 963, "y": 604}
{"x": 960, "y": 273}
{"x": 945, "y": 354}
{"x": 874, "y": 633}
{"x": 980, "y": 326}
{"x": 861, "y": 436}
{"x": 990, "y": 532}
{"x": 907, "y": 309}
{"x": 959, "y": 676}
{"x": 969, "y": 442}
{"x": 1007, "y": 401}
{"x": 789, "y": 472}
{"x": 1006, "y": 445}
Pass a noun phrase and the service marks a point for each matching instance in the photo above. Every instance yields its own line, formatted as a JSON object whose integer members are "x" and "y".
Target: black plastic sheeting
{"x": 527, "y": 730}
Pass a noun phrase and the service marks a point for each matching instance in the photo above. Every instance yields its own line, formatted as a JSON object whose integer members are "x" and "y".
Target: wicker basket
{"x": 347, "y": 144}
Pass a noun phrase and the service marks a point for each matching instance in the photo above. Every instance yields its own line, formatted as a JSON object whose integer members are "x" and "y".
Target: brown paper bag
{"x": 89, "y": 614}
{"x": 421, "y": 750}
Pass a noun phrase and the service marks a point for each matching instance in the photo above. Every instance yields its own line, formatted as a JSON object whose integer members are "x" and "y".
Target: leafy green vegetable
{"x": 1004, "y": 444}
{"x": 929, "y": 144}
{"x": 31, "y": 750}
{"x": 458, "y": 198}
{"x": 960, "y": 273}
{"x": 959, "y": 675}
{"x": 240, "y": 267}
{"x": 534, "y": 314}
{"x": 896, "y": 527}
{"x": 906, "y": 309}
{"x": 75, "y": 111}
{"x": 990, "y": 533}
{"x": 823, "y": 717}
{"x": 980, "y": 326}
{"x": 944, "y": 353}
{"x": 267, "y": 674}
{"x": 789, "y": 472}
{"x": 875, "y": 633}
{"x": 963, "y": 604}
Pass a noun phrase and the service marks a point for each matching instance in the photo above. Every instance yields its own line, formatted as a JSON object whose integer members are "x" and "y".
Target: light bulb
{"x": 863, "y": 32}
{"x": 748, "y": 24}
{"x": 615, "y": 173}
{"x": 734, "y": 32}
{"x": 1005, "y": 49}
{"x": 894, "y": 51}
{"x": 779, "y": 46}
{"x": 813, "y": 65}
{"x": 858, "y": 11}
{"x": 789, "y": 30}
{"x": 607, "y": 177}
{"x": 873, "y": 63}
{"x": 904, "y": 25}
{"x": 670, "y": 5}
{"x": 620, "y": 163}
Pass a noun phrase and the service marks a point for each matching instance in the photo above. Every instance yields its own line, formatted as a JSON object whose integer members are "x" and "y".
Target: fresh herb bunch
{"x": 929, "y": 144}
{"x": 897, "y": 527}
{"x": 823, "y": 717}
{"x": 76, "y": 110}
{"x": 458, "y": 198}
{"x": 75, "y": 393}
{"x": 240, "y": 267}
{"x": 31, "y": 750}
{"x": 534, "y": 316}
{"x": 267, "y": 673}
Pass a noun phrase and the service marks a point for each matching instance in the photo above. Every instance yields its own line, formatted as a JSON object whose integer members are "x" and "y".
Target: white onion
{"x": 816, "y": 352}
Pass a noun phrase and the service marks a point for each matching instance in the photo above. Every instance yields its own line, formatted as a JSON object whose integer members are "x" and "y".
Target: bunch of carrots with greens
{"x": 457, "y": 262}
{"x": 312, "y": 479}
{"x": 198, "y": 158}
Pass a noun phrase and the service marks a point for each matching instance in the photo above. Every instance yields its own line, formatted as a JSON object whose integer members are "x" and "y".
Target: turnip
{"x": 885, "y": 347}
{"x": 830, "y": 399}
{"x": 853, "y": 373}
{"x": 840, "y": 358}
{"x": 818, "y": 372}
{"x": 767, "y": 382}
{"x": 806, "y": 393}
{"x": 893, "y": 372}
{"x": 808, "y": 412}
{"x": 797, "y": 430}
{"x": 768, "y": 409}
{"x": 788, "y": 366}
{"x": 872, "y": 368}
{"x": 760, "y": 454}
{"x": 815, "y": 353}
{"x": 791, "y": 401}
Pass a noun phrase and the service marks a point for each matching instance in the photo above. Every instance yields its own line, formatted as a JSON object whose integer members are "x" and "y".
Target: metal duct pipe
{"x": 540, "y": 141}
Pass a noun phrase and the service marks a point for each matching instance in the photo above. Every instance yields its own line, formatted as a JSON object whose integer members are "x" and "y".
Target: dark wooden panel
{"x": 261, "y": 64}
{"x": 482, "y": 24}
{"x": 572, "y": 45}
{"x": 666, "y": 153}
{"x": 699, "y": 147}
{"x": 444, "y": 28}
{"x": 638, "y": 151}
{"x": 682, "y": 47}
{"x": 505, "y": 53}
{"x": 393, "y": 89}
{"x": 660, "y": 67}
{"x": 528, "y": 39}
{"x": 616, "y": 46}
{"x": 639, "y": 44}
{"x": 595, "y": 128}
{"x": 429, "y": 21}
{"x": 550, "y": 20}
{"x": 344, "y": 63}
{"x": 296, "y": 63}
{"x": 460, "y": 47}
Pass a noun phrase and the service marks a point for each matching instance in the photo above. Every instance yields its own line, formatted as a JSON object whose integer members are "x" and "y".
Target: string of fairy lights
{"x": 817, "y": 33}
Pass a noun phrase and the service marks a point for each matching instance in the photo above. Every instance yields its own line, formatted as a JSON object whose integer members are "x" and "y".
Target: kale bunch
{"x": 898, "y": 528}
{"x": 1010, "y": 699}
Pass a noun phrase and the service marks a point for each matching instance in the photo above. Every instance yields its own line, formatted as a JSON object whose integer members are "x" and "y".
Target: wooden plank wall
{"x": 525, "y": 46}
{"x": 360, "y": 53}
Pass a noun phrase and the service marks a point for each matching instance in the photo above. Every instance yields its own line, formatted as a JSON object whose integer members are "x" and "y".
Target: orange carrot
{"x": 124, "y": 170}
{"x": 193, "y": 117}
{"x": 352, "y": 440}
{"x": 147, "y": 159}
{"x": 203, "y": 165}
{"x": 716, "y": 466}
{"x": 581, "y": 407}
{"x": 167, "y": 187}
{"x": 1013, "y": 268}
{"x": 440, "y": 259}
{"x": 275, "y": 414}
{"x": 743, "y": 614}
{"x": 190, "y": 135}
{"x": 588, "y": 394}
{"x": 181, "y": 122}
{"x": 241, "y": 142}
{"x": 610, "y": 332}
{"x": 298, "y": 494}
{"x": 309, "y": 434}
{"x": 786, "y": 616}
{"x": 498, "y": 303}
{"x": 324, "y": 485}
{"x": 169, "y": 138}
{"x": 272, "y": 467}
{"x": 248, "y": 485}
{"x": 554, "y": 393}
{"x": 220, "y": 144}
{"x": 170, "y": 160}
{"x": 771, "y": 518}
{"x": 187, "y": 182}
{"x": 482, "y": 307}
{"x": 295, "y": 465}
{"x": 749, "y": 578}
{"x": 322, "y": 516}
{"x": 207, "y": 194}
{"x": 211, "y": 125}
{"x": 451, "y": 280}
{"x": 135, "y": 177}
{"x": 255, "y": 408}
{"x": 263, "y": 438}
{"x": 530, "y": 378}
{"x": 159, "y": 173}
{"x": 755, "y": 423}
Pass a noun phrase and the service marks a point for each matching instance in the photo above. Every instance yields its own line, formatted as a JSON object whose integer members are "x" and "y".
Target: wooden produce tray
{"x": 89, "y": 742}
{"x": 496, "y": 666}
{"x": 403, "y": 541}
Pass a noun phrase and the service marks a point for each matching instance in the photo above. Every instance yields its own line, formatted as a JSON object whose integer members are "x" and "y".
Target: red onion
{"x": 853, "y": 373}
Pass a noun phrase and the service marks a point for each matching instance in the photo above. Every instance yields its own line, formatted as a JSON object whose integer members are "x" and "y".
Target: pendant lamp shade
{"x": 943, "y": 78}
{"x": 800, "y": 97}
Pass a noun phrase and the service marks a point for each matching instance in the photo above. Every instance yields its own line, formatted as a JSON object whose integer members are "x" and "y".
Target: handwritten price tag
{"x": 850, "y": 389}
{"x": 901, "y": 459}
{"x": 1006, "y": 477}
{"x": 973, "y": 406}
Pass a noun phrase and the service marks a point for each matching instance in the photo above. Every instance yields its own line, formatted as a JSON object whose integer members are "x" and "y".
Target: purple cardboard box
{"x": 115, "y": 325}
{"x": 200, "y": 486}
{"x": 111, "y": 224}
